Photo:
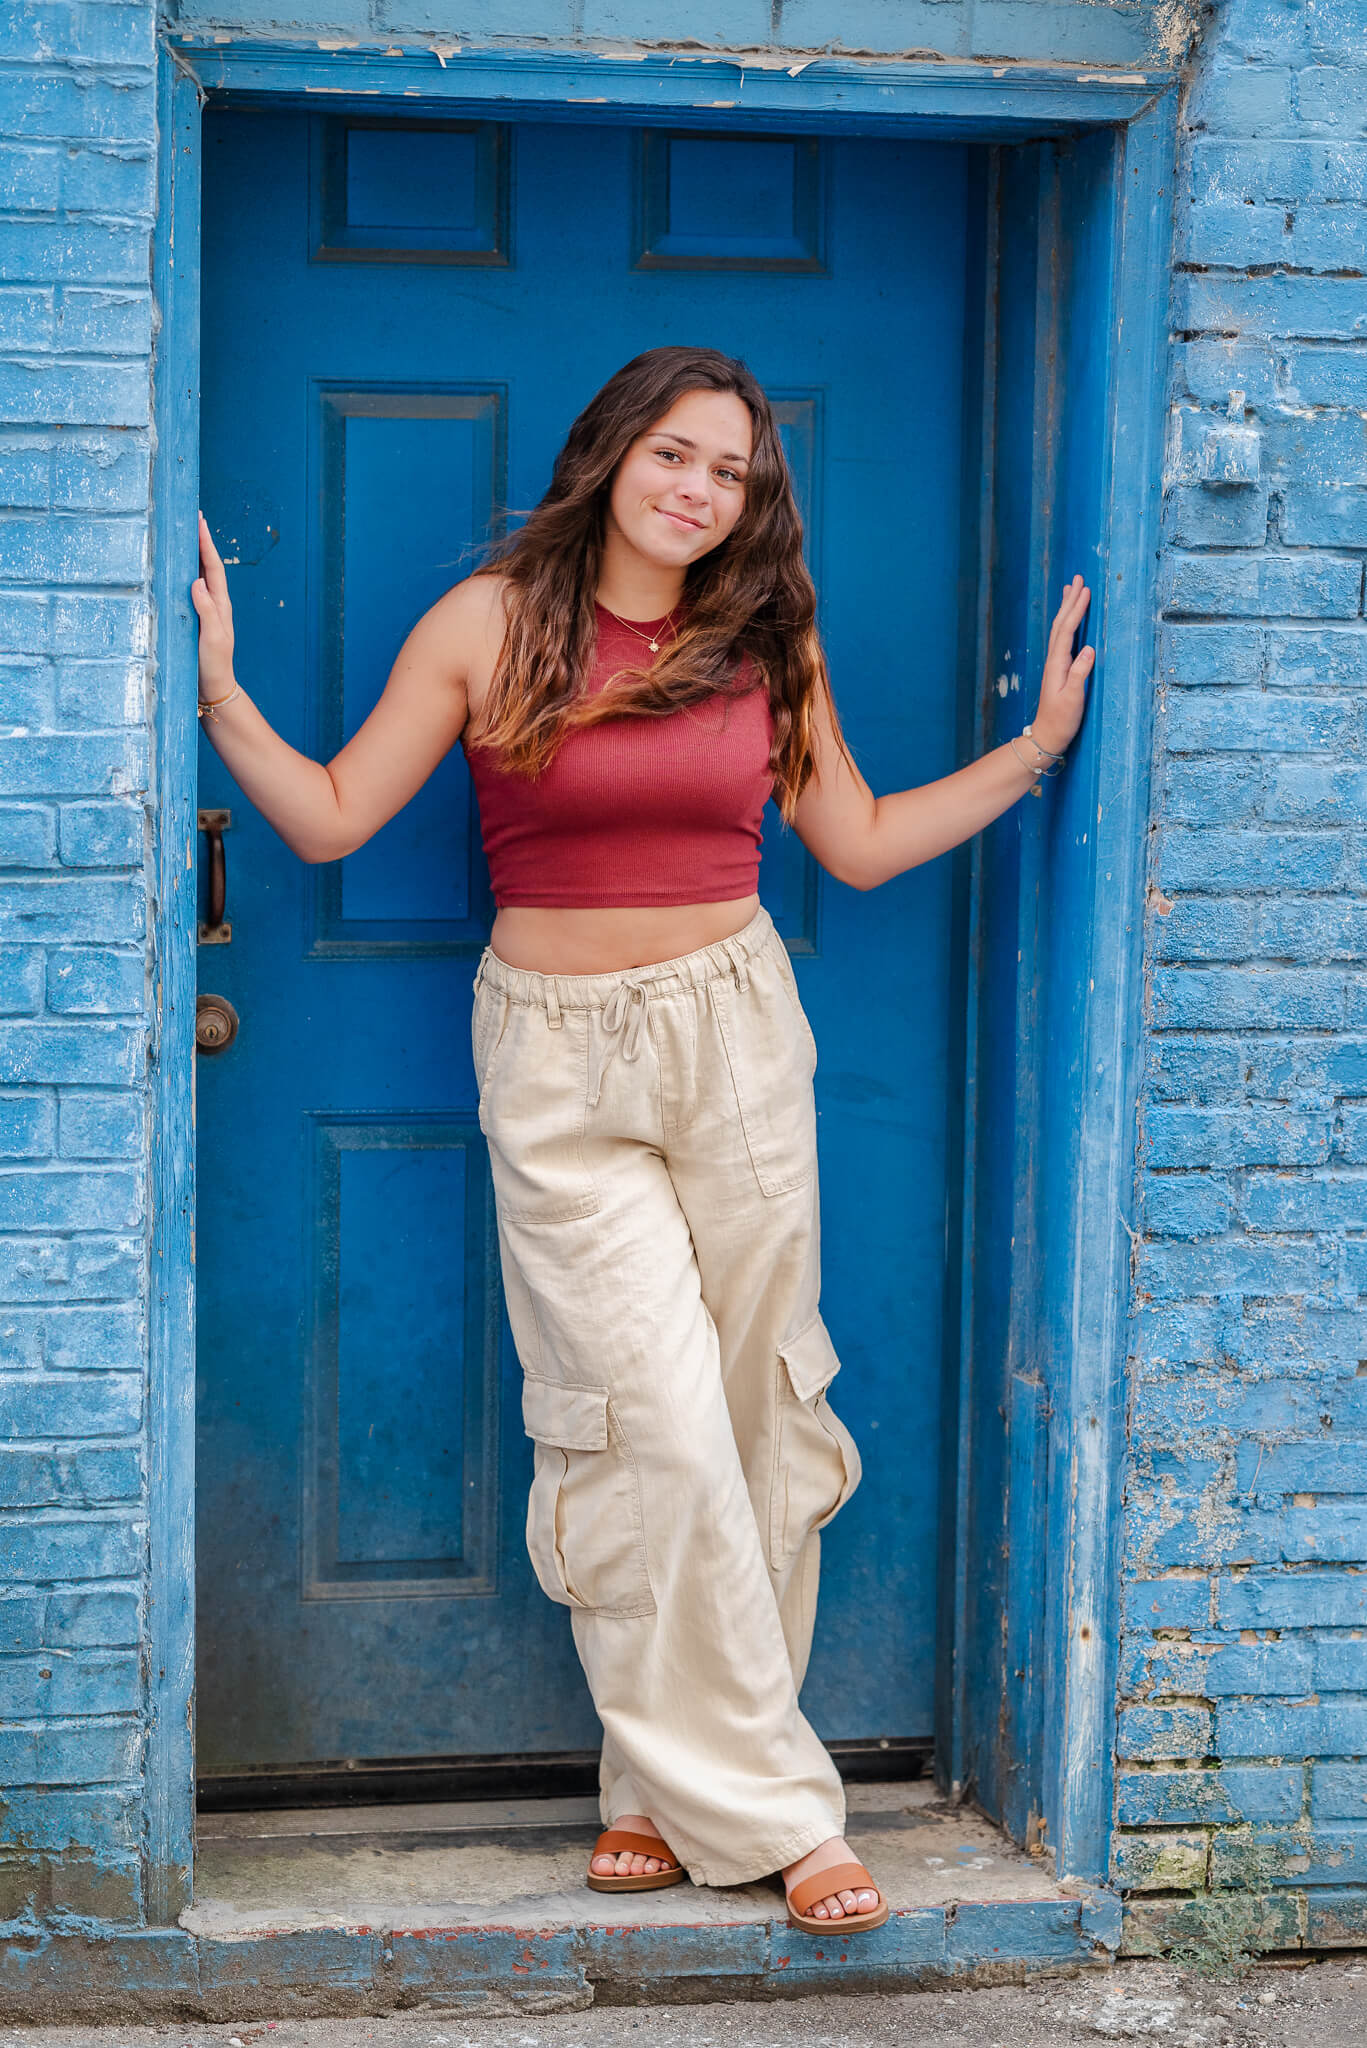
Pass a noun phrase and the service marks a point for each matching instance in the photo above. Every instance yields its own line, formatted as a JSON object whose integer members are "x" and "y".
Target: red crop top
{"x": 635, "y": 810}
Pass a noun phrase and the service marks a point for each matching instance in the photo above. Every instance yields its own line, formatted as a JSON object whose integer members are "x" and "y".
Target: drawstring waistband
{"x": 623, "y": 997}
{"x": 624, "y": 1017}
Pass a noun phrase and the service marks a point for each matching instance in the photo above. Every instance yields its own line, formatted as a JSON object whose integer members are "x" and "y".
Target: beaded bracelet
{"x": 209, "y": 703}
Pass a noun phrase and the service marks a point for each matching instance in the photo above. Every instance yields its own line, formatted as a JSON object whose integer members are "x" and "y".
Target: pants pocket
{"x": 585, "y": 1535}
{"x": 816, "y": 1461}
{"x": 772, "y": 1057}
{"x": 533, "y": 1101}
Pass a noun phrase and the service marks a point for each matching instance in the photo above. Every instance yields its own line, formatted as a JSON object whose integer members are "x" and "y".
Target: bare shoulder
{"x": 464, "y": 628}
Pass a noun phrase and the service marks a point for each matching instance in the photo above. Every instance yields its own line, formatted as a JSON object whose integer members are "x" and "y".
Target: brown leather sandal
{"x": 613, "y": 1841}
{"x": 841, "y": 1877}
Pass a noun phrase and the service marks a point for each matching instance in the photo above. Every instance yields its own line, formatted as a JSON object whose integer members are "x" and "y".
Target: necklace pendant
{"x": 654, "y": 646}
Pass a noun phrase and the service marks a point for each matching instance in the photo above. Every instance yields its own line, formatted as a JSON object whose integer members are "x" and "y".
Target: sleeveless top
{"x": 635, "y": 810}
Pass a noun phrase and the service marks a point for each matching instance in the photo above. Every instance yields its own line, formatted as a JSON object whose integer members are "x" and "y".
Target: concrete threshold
{"x": 482, "y": 1905}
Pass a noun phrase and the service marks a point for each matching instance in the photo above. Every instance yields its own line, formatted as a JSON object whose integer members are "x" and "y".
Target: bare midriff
{"x": 609, "y": 941}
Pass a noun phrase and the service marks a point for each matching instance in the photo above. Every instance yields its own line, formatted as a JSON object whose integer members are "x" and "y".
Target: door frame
{"x": 1076, "y": 1549}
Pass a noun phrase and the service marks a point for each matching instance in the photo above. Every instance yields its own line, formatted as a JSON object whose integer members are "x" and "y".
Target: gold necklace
{"x": 653, "y": 645}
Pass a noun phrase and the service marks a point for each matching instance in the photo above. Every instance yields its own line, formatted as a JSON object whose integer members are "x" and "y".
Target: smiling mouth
{"x": 680, "y": 519}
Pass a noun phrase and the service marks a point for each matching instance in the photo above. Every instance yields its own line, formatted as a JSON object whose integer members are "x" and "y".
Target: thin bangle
{"x": 209, "y": 703}
{"x": 1047, "y": 752}
{"x": 1029, "y": 766}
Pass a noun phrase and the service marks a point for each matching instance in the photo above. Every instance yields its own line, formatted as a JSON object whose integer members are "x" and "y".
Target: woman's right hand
{"x": 209, "y": 594}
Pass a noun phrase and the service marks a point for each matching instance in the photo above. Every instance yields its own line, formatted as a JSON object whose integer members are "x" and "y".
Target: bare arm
{"x": 865, "y": 839}
{"x": 323, "y": 810}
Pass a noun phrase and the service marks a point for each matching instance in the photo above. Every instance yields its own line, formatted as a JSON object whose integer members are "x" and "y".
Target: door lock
{"x": 215, "y": 1023}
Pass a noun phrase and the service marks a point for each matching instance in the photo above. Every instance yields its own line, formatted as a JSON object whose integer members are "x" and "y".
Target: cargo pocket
{"x": 816, "y": 1460}
{"x": 584, "y": 1530}
{"x": 772, "y": 1057}
{"x": 533, "y": 1096}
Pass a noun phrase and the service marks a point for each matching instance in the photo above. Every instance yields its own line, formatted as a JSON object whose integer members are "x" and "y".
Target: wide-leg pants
{"x": 652, "y": 1141}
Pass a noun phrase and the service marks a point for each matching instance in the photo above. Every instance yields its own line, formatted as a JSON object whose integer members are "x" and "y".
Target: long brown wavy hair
{"x": 751, "y": 596}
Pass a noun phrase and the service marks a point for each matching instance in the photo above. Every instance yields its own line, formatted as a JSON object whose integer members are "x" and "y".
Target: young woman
{"x": 631, "y": 675}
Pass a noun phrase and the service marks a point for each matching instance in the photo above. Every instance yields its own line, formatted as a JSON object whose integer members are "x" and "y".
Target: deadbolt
{"x": 215, "y": 1023}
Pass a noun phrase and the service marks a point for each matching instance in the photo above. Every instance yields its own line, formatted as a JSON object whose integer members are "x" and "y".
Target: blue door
{"x": 400, "y": 321}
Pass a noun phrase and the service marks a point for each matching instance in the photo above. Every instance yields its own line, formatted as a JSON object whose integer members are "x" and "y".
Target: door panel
{"x": 398, "y": 329}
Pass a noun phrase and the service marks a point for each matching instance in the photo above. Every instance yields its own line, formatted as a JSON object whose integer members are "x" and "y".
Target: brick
{"x": 102, "y": 323}
{"x": 1309, "y": 1855}
{"x": 1336, "y": 1534}
{"x": 21, "y": 980}
{"x": 1259, "y": 1669}
{"x": 1320, "y": 1202}
{"x": 26, "y": 694}
{"x": 98, "y": 1545}
{"x": 1165, "y": 1732}
{"x": 95, "y": 624}
{"x": 1222, "y": 860}
{"x": 1311, "y": 657}
{"x": 1184, "y": 1205}
{"x": 74, "y": 104}
{"x": 1301, "y": 1068}
{"x": 1184, "y": 1333}
{"x": 87, "y": 1475}
{"x": 1212, "y": 370}
{"x": 1262, "y": 586}
{"x": 30, "y": 178}
{"x": 1263, "y": 31}
{"x": 79, "y": 765}
{"x": 28, "y": 835}
{"x": 1336, "y": 30}
{"x": 95, "y": 1682}
{"x": 47, "y": 1198}
{"x": 1332, "y": 238}
{"x": 70, "y": 1818}
{"x": 60, "y": 1405}
{"x": 1206, "y": 928}
{"x": 1210, "y": 1794}
{"x": 1341, "y": 1665}
{"x": 1306, "y": 792}
{"x": 1325, "y": 518}
{"x": 1275, "y": 1728}
{"x": 1167, "y": 1603}
{"x": 1193, "y": 1069}
{"x": 101, "y": 472}
{"x": 1331, "y": 101}
{"x": 48, "y": 31}
{"x": 1335, "y": 1918}
{"x": 70, "y": 1753}
{"x": 110, "y": 182}
{"x": 1201, "y": 721}
{"x": 1283, "y": 171}
{"x": 1181, "y": 1135}
{"x": 93, "y": 981}
{"x": 93, "y": 1617}
{"x": 1314, "y": 308}
{"x": 73, "y": 1339}
{"x": 1313, "y": 929}
{"x": 1196, "y": 517}
{"x": 1161, "y": 1861}
{"x": 101, "y": 693}
{"x": 1325, "y": 376}
{"x": 1268, "y": 998}
{"x": 99, "y": 1125}
{"x": 75, "y": 252}
{"x": 1219, "y": 655}
{"x": 1173, "y": 1271}
{"x": 21, "y": 1621}
{"x": 1318, "y": 448}
{"x": 90, "y": 1052}
{"x": 110, "y": 911}
{"x": 55, "y": 1270}
{"x": 101, "y": 394}
{"x": 1338, "y": 1791}
{"x": 1238, "y": 237}
{"x": 70, "y": 548}
{"x": 102, "y": 835}
{"x": 28, "y": 1125}
{"x": 1193, "y": 790}
{"x": 1241, "y": 99}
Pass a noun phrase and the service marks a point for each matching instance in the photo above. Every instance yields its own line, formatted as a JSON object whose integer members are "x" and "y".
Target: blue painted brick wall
{"x": 1243, "y": 1663}
{"x": 77, "y": 172}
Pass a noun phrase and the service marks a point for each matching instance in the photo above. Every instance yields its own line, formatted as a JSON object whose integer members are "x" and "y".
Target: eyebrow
{"x": 668, "y": 434}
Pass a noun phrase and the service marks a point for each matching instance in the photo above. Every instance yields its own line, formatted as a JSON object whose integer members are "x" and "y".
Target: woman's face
{"x": 680, "y": 488}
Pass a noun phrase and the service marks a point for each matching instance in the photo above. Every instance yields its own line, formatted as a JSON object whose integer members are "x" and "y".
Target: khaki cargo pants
{"x": 652, "y": 1140}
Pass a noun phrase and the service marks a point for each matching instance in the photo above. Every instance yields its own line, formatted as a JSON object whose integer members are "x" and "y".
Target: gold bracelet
{"x": 208, "y": 703}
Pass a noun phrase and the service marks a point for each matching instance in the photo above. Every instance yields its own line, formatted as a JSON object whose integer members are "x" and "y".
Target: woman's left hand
{"x": 1063, "y": 692}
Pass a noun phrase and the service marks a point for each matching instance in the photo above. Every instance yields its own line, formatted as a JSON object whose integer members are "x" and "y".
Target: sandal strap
{"x": 614, "y": 1840}
{"x": 841, "y": 1877}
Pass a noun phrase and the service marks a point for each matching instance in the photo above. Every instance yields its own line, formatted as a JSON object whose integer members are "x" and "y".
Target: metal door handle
{"x": 214, "y": 930}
